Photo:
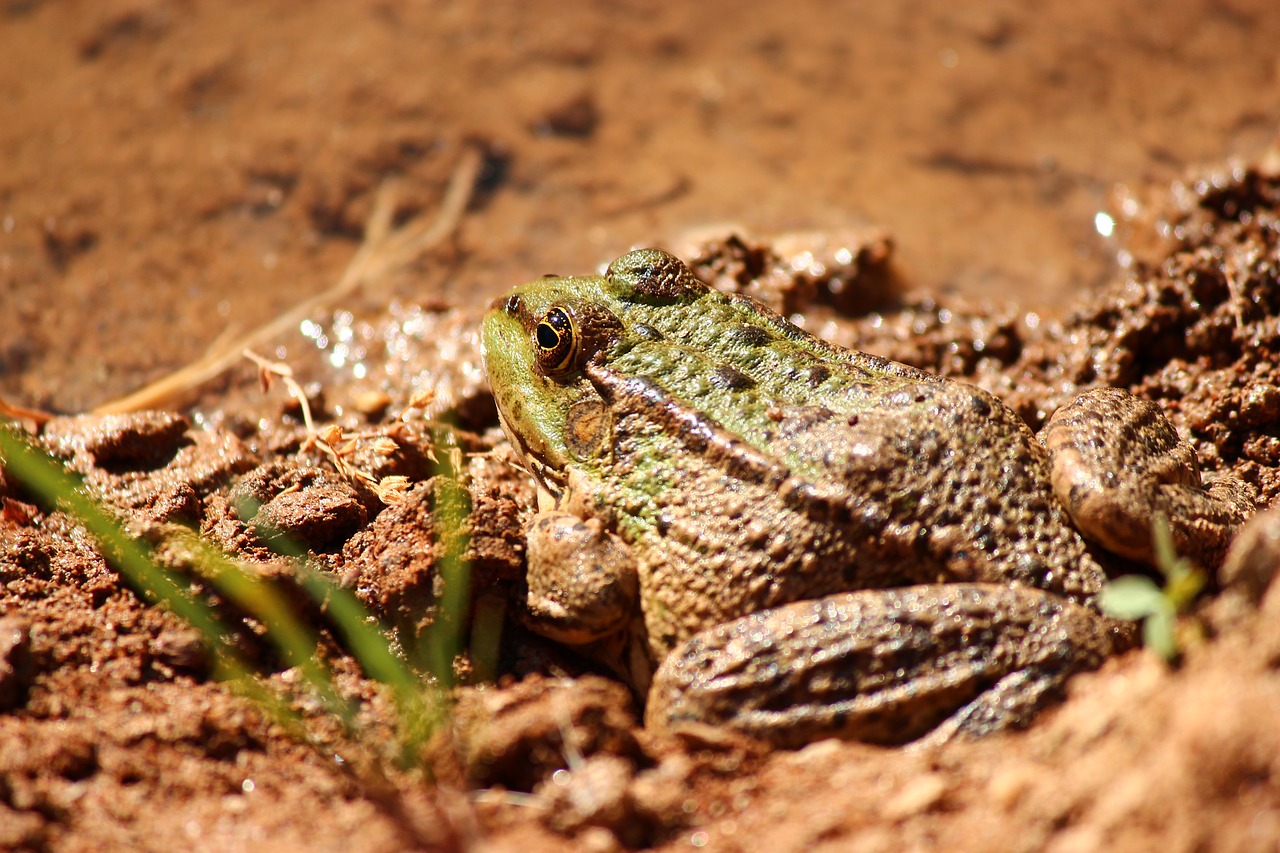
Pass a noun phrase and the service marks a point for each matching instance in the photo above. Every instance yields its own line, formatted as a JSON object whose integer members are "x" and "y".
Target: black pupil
{"x": 548, "y": 338}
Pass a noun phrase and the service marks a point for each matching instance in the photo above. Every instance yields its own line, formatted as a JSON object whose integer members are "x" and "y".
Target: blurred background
{"x": 176, "y": 171}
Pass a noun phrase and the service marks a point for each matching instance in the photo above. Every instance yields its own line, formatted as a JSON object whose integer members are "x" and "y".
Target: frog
{"x": 765, "y": 533}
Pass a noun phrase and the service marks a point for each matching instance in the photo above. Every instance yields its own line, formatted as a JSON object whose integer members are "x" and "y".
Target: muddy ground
{"x": 1037, "y": 201}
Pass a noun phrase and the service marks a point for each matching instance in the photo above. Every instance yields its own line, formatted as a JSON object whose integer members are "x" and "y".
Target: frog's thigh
{"x": 884, "y": 666}
{"x": 1117, "y": 462}
{"x": 582, "y": 579}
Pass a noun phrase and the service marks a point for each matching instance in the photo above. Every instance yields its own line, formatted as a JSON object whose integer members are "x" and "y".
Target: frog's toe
{"x": 1016, "y": 697}
{"x": 1118, "y": 464}
{"x": 883, "y": 666}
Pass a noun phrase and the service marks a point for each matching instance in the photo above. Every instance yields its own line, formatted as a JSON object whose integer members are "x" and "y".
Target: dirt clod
{"x": 15, "y": 663}
{"x": 519, "y": 735}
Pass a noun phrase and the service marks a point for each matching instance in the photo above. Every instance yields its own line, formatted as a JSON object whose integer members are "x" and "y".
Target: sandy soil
{"x": 177, "y": 174}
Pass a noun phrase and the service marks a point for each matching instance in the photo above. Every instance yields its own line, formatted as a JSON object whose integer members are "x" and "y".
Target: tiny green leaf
{"x": 1131, "y": 597}
{"x": 1136, "y": 597}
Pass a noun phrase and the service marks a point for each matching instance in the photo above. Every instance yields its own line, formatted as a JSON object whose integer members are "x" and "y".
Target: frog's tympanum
{"x": 760, "y": 530}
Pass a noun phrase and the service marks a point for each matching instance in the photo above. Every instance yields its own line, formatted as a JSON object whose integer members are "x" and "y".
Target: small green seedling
{"x": 1137, "y": 597}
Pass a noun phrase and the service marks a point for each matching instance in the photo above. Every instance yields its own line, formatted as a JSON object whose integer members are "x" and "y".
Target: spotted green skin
{"x": 759, "y": 477}
{"x": 701, "y": 334}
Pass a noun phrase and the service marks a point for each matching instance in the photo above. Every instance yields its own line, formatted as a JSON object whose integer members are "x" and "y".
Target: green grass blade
{"x": 56, "y": 486}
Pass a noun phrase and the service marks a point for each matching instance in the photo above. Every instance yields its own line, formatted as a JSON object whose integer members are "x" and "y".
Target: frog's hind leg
{"x": 883, "y": 666}
{"x": 1117, "y": 463}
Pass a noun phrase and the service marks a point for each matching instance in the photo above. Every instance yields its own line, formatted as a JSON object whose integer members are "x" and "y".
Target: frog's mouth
{"x": 550, "y": 482}
{"x": 551, "y": 485}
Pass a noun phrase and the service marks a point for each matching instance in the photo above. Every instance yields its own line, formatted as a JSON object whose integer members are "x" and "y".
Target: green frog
{"x": 760, "y": 530}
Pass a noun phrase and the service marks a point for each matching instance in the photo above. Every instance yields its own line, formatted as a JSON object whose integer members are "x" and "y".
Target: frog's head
{"x": 539, "y": 340}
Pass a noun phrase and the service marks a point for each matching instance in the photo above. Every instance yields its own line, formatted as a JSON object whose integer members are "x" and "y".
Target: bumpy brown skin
{"x": 600, "y": 573}
{"x": 772, "y": 488}
{"x": 883, "y": 666}
{"x": 934, "y": 483}
{"x": 1118, "y": 463}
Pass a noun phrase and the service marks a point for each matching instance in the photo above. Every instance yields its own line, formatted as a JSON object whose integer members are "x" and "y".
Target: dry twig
{"x": 382, "y": 252}
{"x": 35, "y": 417}
{"x": 332, "y": 440}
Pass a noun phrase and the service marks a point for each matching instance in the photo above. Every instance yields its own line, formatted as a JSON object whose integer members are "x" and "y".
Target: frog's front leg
{"x": 1117, "y": 464}
{"x": 582, "y": 580}
{"x": 884, "y": 666}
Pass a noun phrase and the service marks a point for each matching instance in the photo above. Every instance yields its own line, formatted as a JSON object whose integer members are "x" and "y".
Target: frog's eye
{"x": 556, "y": 341}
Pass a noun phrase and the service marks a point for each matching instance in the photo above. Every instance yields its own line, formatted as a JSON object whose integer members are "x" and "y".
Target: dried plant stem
{"x": 35, "y": 417}
{"x": 381, "y": 252}
{"x": 268, "y": 369}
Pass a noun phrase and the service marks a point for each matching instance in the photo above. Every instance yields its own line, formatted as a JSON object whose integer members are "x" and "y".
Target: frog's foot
{"x": 582, "y": 579}
{"x": 1117, "y": 463}
{"x": 884, "y": 666}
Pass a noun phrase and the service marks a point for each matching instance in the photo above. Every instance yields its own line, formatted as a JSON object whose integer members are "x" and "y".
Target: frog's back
{"x": 766, "y": 466}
